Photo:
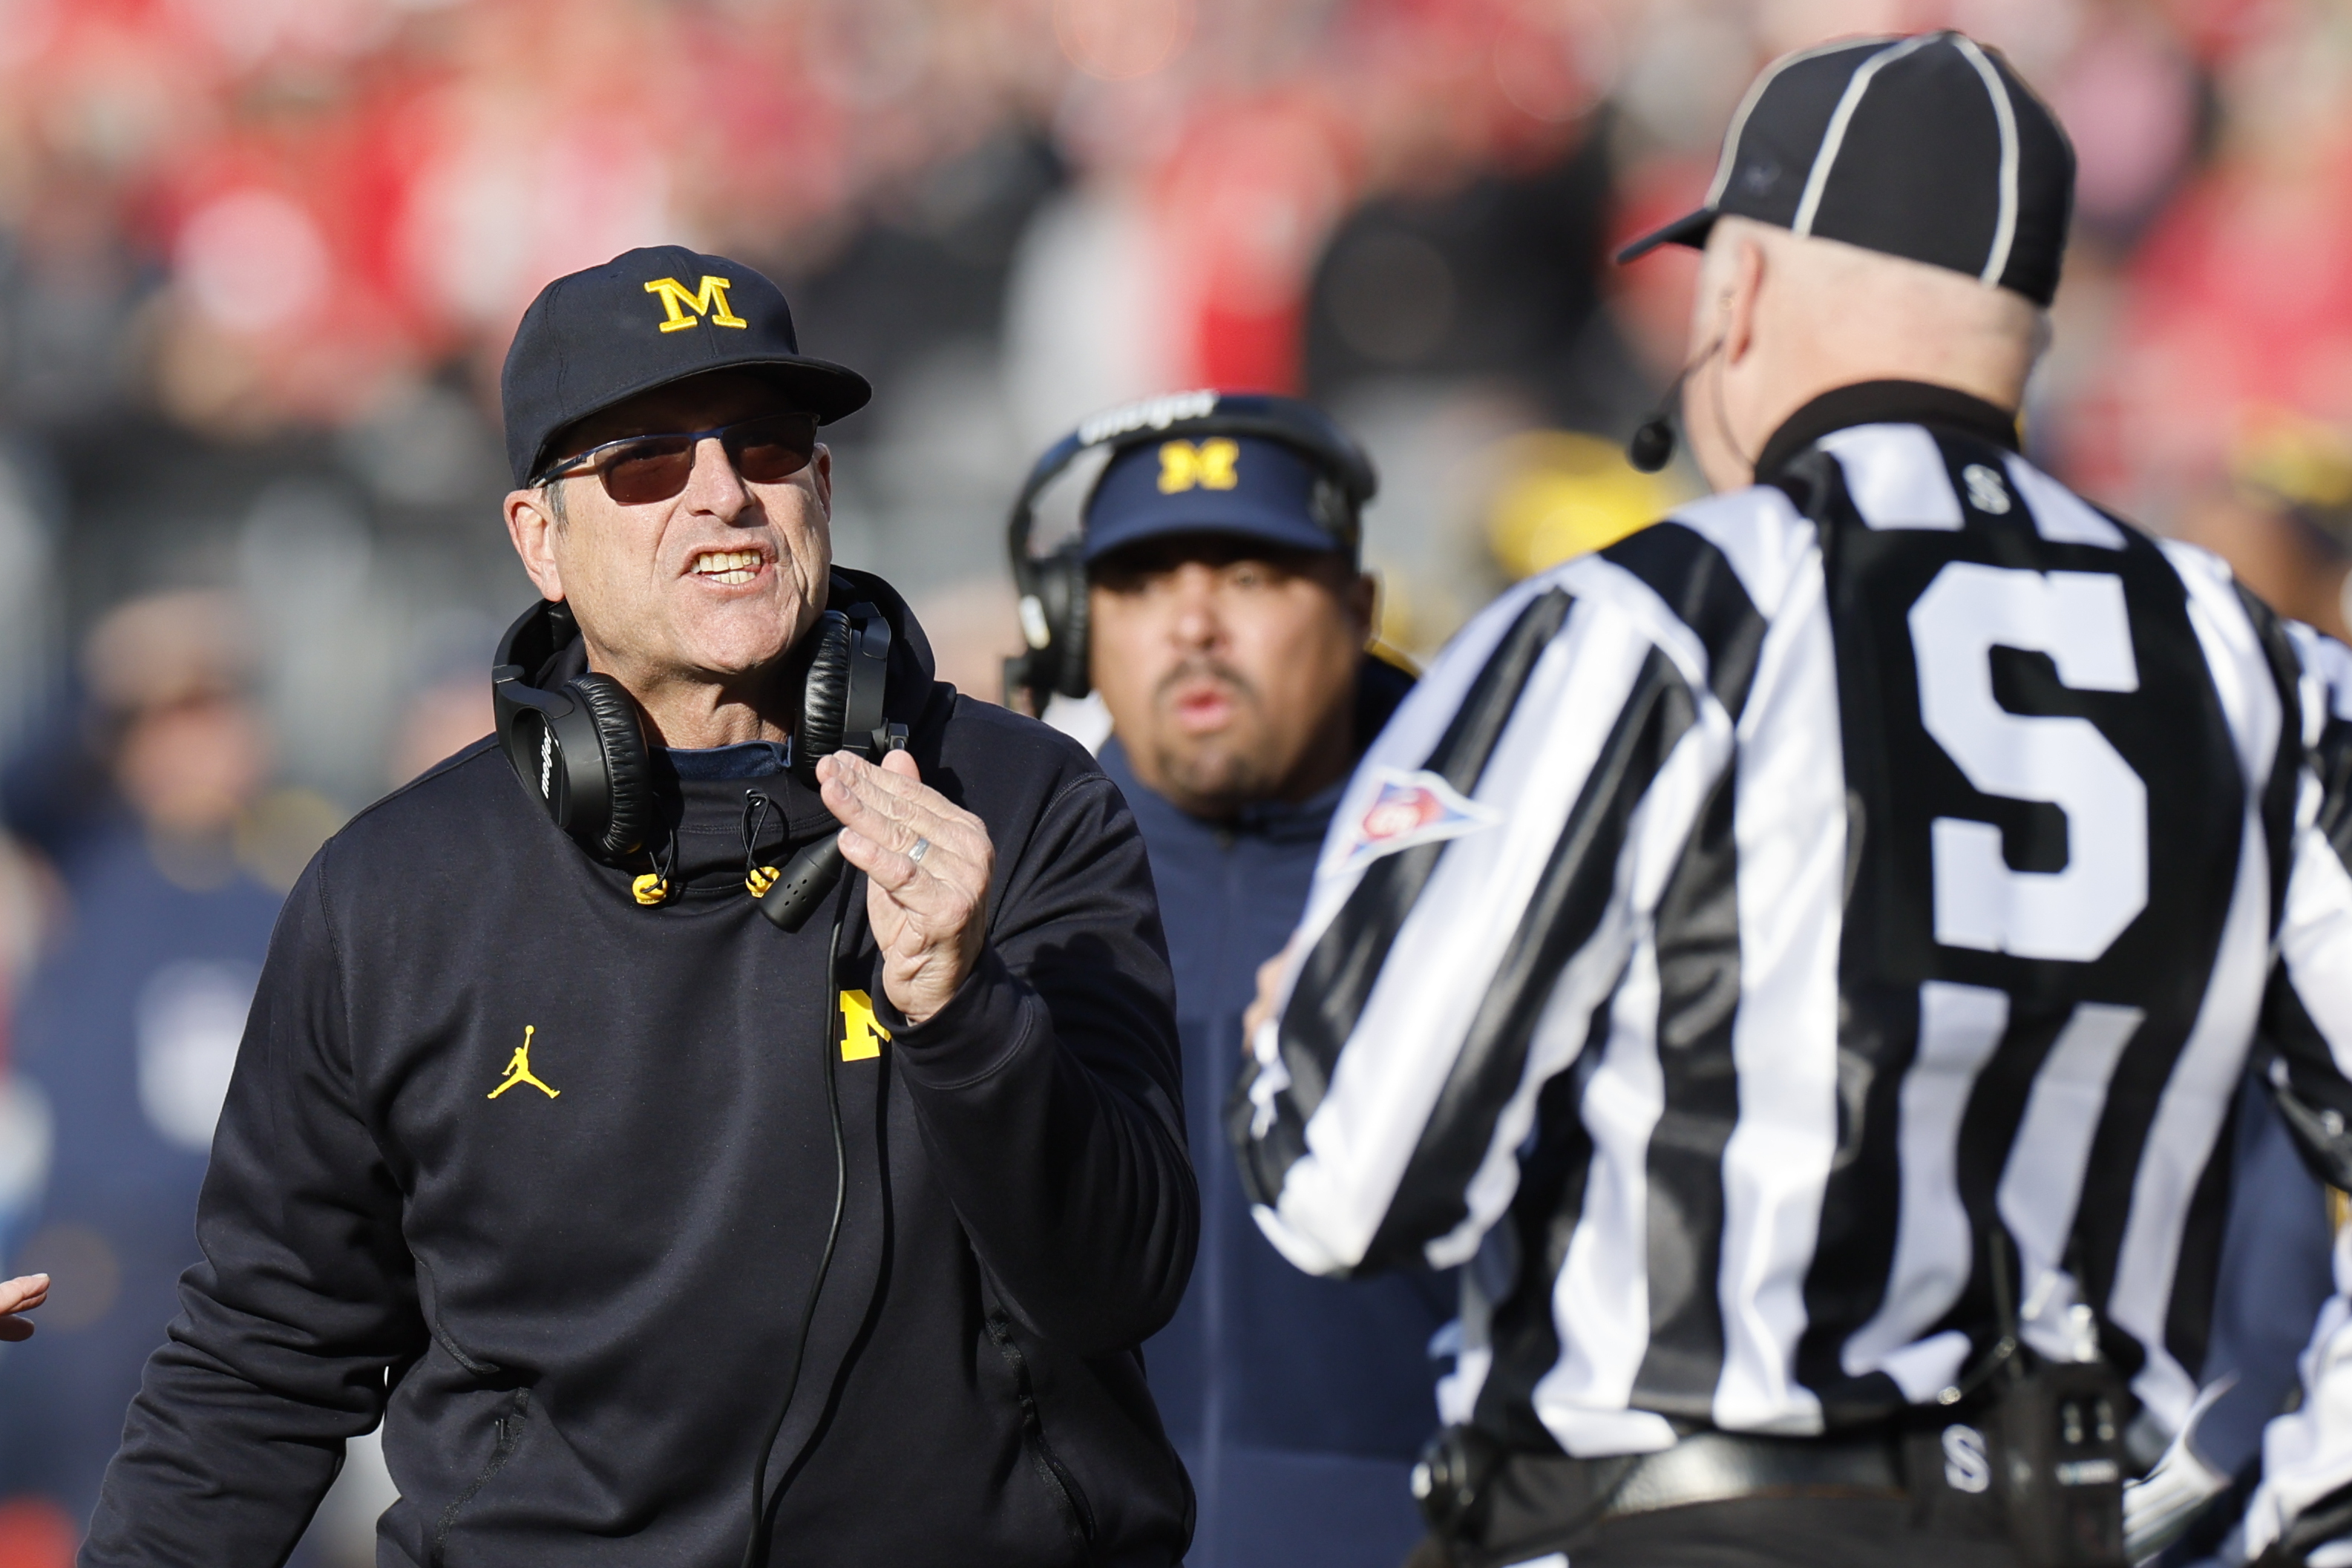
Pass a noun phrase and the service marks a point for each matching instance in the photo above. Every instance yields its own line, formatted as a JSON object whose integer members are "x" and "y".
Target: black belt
{"x": 1716, "y": 1467}
{"x": 1526, "y": 1504}
{"x": 2049, "y": 1437}
{"x": 1530, "y": 1494}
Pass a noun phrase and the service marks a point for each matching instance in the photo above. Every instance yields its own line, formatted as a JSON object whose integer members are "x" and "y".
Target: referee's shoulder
{"x": 1704, "y": 583}
{"x": 1749, "y": 547}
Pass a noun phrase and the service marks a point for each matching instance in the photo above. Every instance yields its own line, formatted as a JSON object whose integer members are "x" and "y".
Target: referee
{"x": 1800, "y": 959}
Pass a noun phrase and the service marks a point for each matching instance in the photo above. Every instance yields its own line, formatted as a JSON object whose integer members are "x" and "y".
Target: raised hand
{"x": 926, "y": 862}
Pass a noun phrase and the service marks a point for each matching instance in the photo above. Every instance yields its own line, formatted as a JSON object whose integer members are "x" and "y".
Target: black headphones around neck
{"x": 581, "y": 748}
{"x": 1053, "y": 588}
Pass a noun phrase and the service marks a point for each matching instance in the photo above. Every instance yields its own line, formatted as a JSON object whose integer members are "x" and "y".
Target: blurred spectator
{"x": 1447, "y": 316}
{"x": 2283, "y": 519}
{"x": 1492, "y": 282}
{"x": 25, "y": 1131}
{"x": 1559, "y": 495}
{"x": 973, "y": 628}
{"x": 442, "y": 720}
{"x": 129, "y": 1028}
{"x": 169, "y": 675}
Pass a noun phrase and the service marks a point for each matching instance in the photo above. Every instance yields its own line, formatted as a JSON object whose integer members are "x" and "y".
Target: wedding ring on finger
{"x": 922, "y": 847}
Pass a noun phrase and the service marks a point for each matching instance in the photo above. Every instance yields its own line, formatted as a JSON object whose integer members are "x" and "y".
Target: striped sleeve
{"x": 2307, "y": 1491}
{"x": 1487, "y": 879}
{"x": 2309, "y": 1009}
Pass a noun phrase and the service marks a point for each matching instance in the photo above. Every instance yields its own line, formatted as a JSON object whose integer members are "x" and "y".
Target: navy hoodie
{"x": 1298, "y": 1403}
{"x": 572, "y": 1298}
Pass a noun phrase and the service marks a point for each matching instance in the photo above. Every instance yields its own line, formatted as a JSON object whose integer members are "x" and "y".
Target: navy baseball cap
{"x": 646, "y": 319}
{"x": 1928, "y": 147}
{"x": 1244, "y": 485}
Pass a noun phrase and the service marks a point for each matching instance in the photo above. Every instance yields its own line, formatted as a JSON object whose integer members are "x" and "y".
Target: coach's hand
{"x": 930, "y": 913}
{"x": 21, "y": 1295}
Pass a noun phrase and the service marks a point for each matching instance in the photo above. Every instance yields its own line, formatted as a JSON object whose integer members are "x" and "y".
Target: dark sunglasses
{"x": 637, "y": 470}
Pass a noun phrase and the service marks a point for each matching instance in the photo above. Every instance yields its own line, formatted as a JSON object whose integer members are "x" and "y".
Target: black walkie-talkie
{"x": 2059, "y": 1428}
{"x": 2061, "y": 1436}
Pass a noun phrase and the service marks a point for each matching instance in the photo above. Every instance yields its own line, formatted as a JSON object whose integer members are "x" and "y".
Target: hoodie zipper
{"x": 508, "y": 1426}
{"x": 1077, "y": 1516}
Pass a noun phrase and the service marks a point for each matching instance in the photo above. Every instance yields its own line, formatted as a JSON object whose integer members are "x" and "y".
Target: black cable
{"x": 2005, "y": 1350}
{"x": 755, "y": 1546}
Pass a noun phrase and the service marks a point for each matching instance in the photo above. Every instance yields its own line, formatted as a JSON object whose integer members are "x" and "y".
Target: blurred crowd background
{"x": 259, "y": 260}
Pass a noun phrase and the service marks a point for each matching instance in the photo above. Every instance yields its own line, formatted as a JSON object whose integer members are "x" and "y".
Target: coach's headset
{"x": 1053, "y": 588}
{"x": 581, "y": 748}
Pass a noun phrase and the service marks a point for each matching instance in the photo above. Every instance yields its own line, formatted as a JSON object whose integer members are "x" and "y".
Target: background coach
{"x": 528, "y": 1148}
{"x": 1229, "y": 619}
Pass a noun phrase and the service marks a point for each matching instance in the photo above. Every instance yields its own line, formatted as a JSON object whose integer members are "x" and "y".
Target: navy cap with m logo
{"x": 644, "y": 319}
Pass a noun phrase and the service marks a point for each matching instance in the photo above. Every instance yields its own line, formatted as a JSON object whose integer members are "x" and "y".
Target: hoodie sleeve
{"x": 1061, "y": 1049}
{"x": 303, "y": 1305}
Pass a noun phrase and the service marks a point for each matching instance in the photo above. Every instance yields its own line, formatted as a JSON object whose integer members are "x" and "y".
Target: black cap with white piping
{"x": 1930, "y": 147}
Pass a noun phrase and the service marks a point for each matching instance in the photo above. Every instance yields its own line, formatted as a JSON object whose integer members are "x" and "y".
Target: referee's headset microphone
{"x": 581, "y": 748}
{"x": 1652, "y": 446}
{"x": 1053, "y": 587}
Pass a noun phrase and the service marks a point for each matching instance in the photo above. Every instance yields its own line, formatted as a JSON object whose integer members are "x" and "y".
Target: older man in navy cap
{"x": 657, "y": 1221}
{"x": 1228, "y": 624}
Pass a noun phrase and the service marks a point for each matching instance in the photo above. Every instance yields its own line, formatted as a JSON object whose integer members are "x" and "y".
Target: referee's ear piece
{"x": 580, "y": 748}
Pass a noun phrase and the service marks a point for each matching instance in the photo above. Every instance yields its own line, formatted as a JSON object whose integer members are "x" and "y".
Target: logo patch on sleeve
{"x": 1414, "y": 807}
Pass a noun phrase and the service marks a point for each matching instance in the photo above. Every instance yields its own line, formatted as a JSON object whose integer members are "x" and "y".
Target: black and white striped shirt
{"x": 1739, "y": 929}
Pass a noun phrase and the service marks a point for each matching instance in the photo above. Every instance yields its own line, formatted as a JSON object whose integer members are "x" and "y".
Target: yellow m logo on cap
{"x": 1209, "y": 465}
{"x": 709, "y": 301}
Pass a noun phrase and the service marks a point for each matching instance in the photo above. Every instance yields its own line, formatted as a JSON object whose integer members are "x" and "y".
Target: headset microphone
{"x": 812, "y": 872}
{"x": 807, "y": 877}
{"x": 1652, "y": 446}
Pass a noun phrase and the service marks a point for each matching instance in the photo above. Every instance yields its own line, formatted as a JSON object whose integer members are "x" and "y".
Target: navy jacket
{"x": 576, "y": 1291}
{"x": 1298, "y": 1403}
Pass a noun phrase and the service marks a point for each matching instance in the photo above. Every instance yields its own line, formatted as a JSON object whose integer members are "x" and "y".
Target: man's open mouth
{"x": 732, "y": 567}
